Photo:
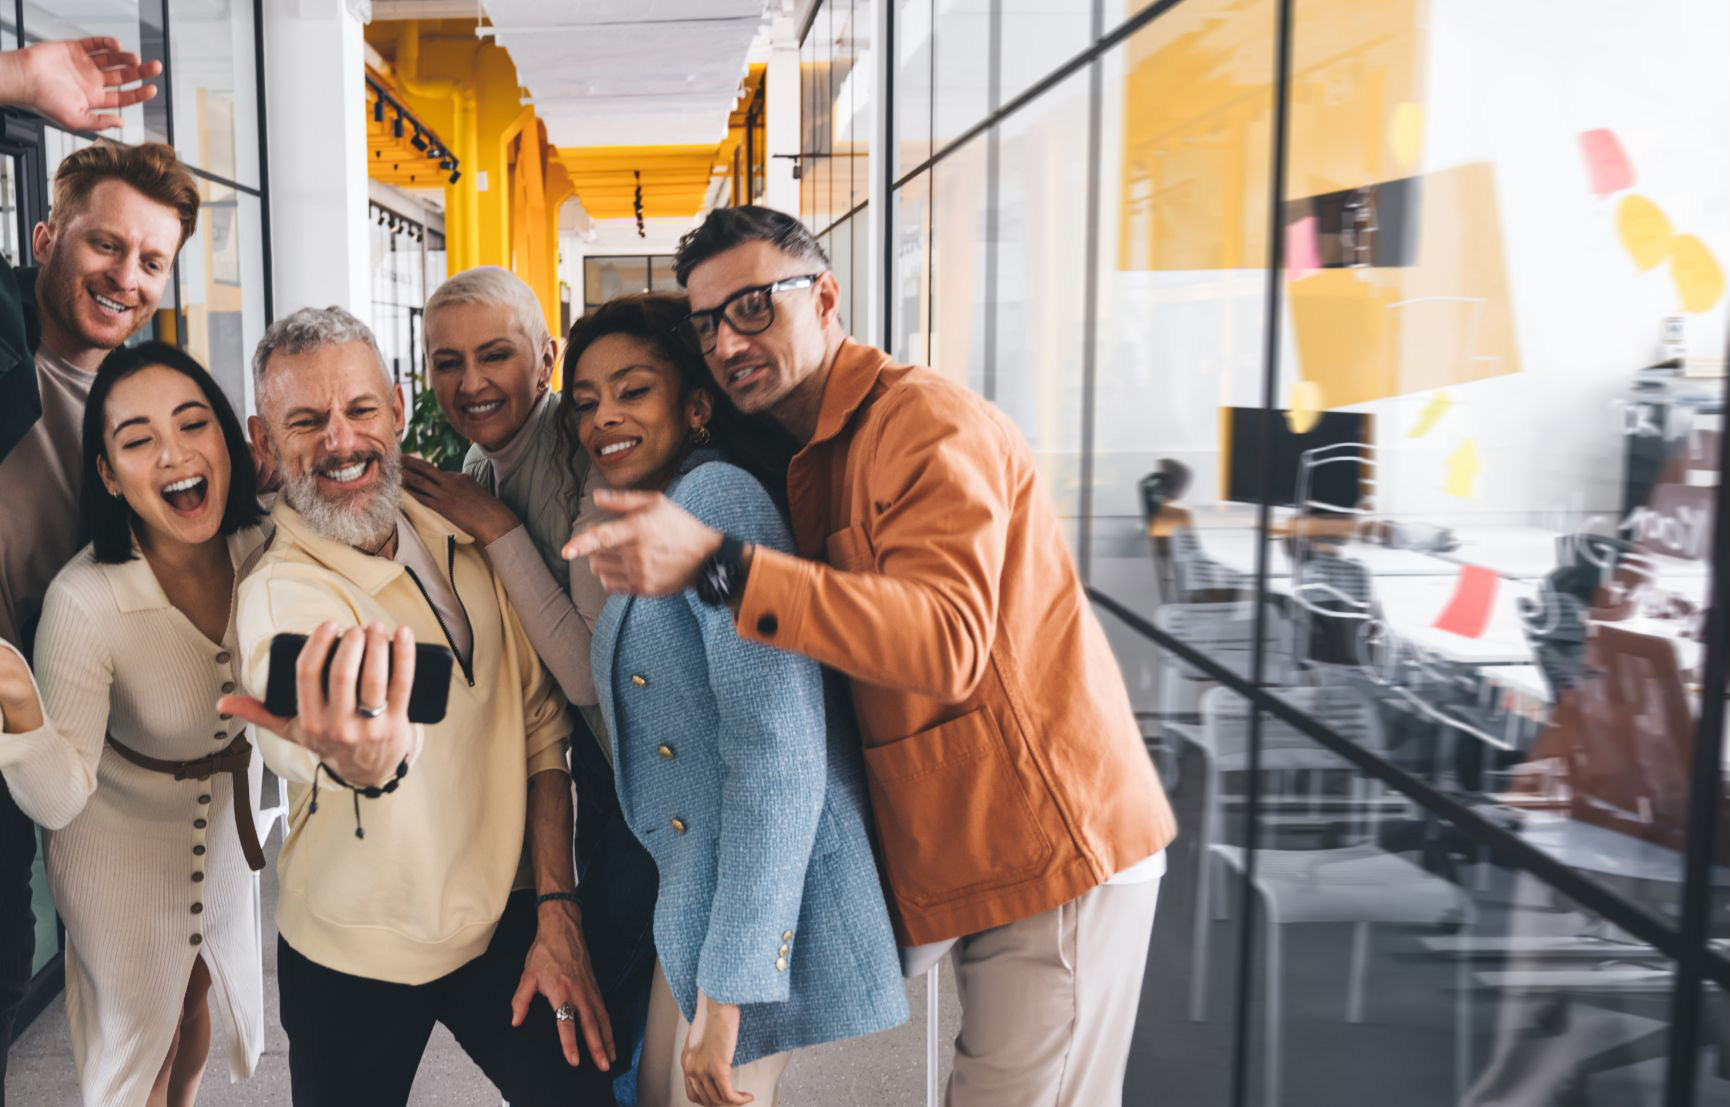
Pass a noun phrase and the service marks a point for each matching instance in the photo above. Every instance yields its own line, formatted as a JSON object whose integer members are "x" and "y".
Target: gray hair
{"x": 306, "y": 330}
{"x": 488, "y": 284}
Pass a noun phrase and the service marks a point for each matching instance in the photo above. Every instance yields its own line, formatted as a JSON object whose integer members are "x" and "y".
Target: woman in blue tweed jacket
{"x": 738, "y": 774}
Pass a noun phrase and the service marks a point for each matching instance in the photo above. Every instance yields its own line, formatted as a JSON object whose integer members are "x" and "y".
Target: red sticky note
{"x": 1303, "y": 254}
{"x": 1468, "y": 610}
{"x": 1606, "y": 164}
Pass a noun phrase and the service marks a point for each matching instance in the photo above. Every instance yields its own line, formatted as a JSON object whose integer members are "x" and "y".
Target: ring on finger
{"x": 366, "y": 712}
{"x": 565, "y": 1013}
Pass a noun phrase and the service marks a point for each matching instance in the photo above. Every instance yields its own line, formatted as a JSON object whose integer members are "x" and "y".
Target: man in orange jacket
{"x": 1016, "y": 808}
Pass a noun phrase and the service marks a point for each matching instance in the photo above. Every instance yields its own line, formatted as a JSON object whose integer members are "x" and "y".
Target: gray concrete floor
{"x": 884, "y": 1070}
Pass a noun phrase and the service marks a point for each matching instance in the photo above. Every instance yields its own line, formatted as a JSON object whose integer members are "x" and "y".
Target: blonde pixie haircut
{"x": 488, "y": 284}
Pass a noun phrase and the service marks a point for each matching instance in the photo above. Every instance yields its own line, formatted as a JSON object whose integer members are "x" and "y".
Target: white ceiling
{"x": 630, "y": 72}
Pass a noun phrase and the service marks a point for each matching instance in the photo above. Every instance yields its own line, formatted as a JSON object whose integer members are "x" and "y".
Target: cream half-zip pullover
{"x": 421, "y": 894}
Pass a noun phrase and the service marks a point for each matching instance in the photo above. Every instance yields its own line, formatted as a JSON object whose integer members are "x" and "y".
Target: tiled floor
{"x": 885, "y": 1069}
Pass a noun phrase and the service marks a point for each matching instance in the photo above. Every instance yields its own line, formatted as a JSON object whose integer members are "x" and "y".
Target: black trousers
{"x": 352, "y": 1040}
{"x": 17, "y": 920}
{"x": 618, "y": 883}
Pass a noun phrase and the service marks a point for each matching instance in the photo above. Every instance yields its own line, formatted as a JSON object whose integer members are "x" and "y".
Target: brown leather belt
{"x": 234, "y": 760}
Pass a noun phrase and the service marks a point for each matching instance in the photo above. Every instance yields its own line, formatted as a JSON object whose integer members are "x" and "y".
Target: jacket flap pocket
{"x": 849, "y": 549}
{"x": 952, "y": 815}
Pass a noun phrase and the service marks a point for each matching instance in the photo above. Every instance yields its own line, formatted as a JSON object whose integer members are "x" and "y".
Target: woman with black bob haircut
{"x": 108, "y": 519}
{"x": 147, "y": 793}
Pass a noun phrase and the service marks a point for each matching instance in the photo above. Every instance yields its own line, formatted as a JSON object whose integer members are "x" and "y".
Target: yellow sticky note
{"x": 1463, "y": 467}
{"x": 1645, "y": 231}
{"x": 1432, "y": 414}
{"x": 1305, "y": 407}
{"x": 1406, "y": 133}
{"x": 1698, "y": 276}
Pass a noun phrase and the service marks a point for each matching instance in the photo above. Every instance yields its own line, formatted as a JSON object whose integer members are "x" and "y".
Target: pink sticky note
{"x": 1468, "y": 610}
{"x": 1606, "y": 164}
{"x": 1302, "y": 250}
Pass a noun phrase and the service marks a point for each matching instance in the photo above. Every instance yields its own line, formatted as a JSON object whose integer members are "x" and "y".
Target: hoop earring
{"x": 700, "y": 435}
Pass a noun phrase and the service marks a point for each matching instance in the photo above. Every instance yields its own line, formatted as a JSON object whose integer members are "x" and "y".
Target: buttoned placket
{"x": 206, "y": 791}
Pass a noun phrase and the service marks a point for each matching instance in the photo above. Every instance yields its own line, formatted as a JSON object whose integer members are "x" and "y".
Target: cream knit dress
{"x": 147, "y": 871}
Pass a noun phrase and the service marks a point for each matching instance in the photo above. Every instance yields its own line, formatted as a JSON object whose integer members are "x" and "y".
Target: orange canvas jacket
{"x": 1006, "y": 769}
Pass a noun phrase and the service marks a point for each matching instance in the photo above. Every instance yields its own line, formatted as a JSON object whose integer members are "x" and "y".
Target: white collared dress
{"x": 147, "y": 871}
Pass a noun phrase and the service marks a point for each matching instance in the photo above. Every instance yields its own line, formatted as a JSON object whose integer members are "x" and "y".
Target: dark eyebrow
{"x": 124, "y": 423}
{"x": 631, "y": 368}
{"x": 505, "y": 338}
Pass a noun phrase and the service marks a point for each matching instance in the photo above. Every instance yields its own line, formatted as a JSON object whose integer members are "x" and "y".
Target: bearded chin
{"x": 362, "y": 521}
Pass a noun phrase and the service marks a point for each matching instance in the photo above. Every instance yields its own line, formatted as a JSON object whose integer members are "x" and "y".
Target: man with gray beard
{"x": 424, "y": 906}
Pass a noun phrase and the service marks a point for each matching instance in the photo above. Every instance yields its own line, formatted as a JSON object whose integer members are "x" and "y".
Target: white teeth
{"x": 352, "y": 472}
{"x": 112, "y": 305}
{"x": 483, "y": 409}
{"x": 186, "y": 485}
{"x": 607, "y": 451}
{"x": 743, "y": 373}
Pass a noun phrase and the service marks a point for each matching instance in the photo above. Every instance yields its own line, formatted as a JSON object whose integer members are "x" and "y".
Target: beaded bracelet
{"x": 558, "y": 897}
{"x": 370, "y": 791}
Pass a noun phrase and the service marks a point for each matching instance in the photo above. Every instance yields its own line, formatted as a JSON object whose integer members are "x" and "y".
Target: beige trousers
{"x": 1048, "y": 1003}
{"x": 660, "y": 1076}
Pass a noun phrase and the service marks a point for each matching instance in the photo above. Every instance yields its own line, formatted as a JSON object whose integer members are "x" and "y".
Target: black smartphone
{"x": 426, "y": 700}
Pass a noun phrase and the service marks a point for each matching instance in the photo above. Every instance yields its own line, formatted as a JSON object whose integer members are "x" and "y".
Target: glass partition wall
{"x": 1375, "y": 354}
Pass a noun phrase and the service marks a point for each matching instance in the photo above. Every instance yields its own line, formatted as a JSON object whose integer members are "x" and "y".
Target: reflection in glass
{"x": 1038, "y": 37}
{"x": 962, "y": 71}
{"x": 221, "y": 287}
{"x": 137, "y": 25}
{"x": 606, "y": 277}
{"x": 1041, "y": 309}
{"x": 914, "y": 55}
{"x": 1713, "y": 1078}
{"x": 215, "y": 87}
{"x": 839, "y": 245}
{"x": 12, "y": 231}
{"x": 910, "y": 290}
{"x": 958, "y": 258}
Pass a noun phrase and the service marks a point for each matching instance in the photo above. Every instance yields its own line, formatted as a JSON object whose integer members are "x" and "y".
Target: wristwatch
{"x": 722, "y": 575}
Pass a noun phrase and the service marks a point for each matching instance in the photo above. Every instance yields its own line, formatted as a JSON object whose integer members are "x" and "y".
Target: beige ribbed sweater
{"x": 143, "y": 888}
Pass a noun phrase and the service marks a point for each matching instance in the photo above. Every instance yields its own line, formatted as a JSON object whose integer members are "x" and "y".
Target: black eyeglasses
{"x": 747, "y": 311}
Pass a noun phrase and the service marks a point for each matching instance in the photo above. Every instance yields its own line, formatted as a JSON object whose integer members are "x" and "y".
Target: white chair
{"x": 1358, "y": 883}
{"x": 1225, "y": 632}
{"x": 273, "y": 805}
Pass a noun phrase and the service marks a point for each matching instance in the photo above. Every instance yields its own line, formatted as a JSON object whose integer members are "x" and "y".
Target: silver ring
{"x": 565, "y": 1013}
{"x": 371, "y": 712}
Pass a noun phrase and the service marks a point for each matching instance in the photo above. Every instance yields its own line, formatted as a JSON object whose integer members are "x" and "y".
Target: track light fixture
{"x": 418, "y": 141}
{"x": 378, "y": 109}
{"x": 455, "y": 175}
{"x": 637, "y": 202}
{"x": 396, "y": 124}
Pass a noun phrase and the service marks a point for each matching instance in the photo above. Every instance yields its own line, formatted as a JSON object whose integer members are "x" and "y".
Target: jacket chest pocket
{"x": 849, "y": 549}
{"x": 952, "y": 815}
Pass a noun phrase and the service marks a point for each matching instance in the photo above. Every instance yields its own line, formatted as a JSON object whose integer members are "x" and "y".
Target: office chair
{"x": 1357, "y": 882}
{"x": 1555, "y": 624}
{"x": 1334, "y": 598}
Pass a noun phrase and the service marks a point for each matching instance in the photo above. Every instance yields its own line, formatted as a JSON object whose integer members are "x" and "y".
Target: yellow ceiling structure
{"x": 675, "y": 179}
{"x": 396, "y": 159}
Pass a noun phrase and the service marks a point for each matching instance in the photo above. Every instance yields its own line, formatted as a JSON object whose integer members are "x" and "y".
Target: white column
{"x": 315, "y": 68}
{"x": 781, "y": 117}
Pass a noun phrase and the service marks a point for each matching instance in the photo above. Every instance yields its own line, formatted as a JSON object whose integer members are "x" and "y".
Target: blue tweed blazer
{"x": 744, "y": 781}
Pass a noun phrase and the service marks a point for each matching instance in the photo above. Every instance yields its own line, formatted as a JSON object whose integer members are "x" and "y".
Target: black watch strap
{"x": 722, "y": 575}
